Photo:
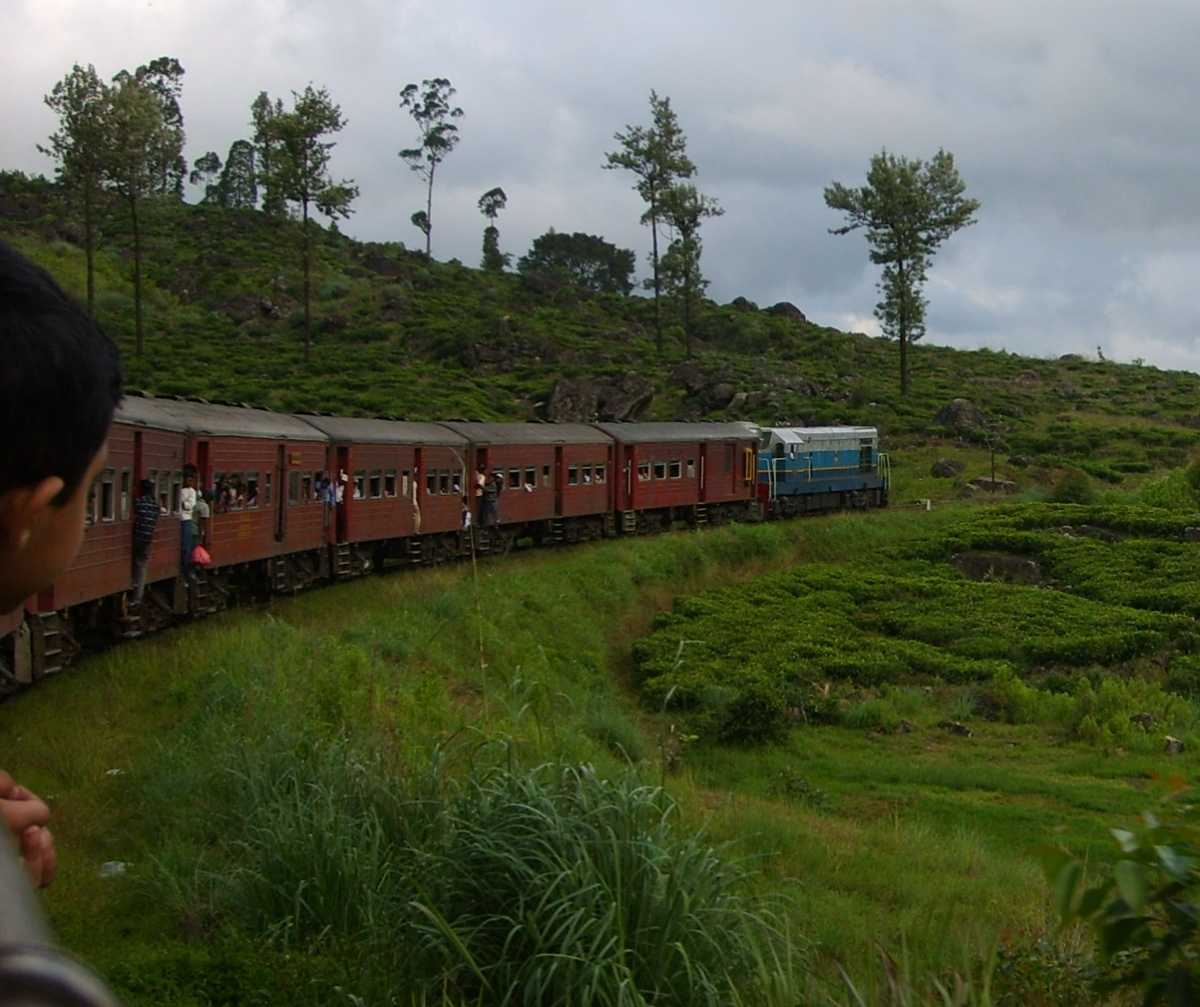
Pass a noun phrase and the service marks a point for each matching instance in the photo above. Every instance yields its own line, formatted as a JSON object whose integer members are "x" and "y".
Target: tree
{"x": 429, "y": 106}
{"x": 657, "y": 155}
{"x": 205, "y": 169}
{"x": 239, "y": 184}
{"x": 583, "y": 259}
{"x": 263, "y": 113}
{"x": 490, "y": 205}
{"x": 81, "y": 100}
{"x": 163, "y": 77}
{"x": 909, "y": 208}
{"x": 139, "y": 142}
{"x": 685, "y": 208}
{"x": 300, "y": 172}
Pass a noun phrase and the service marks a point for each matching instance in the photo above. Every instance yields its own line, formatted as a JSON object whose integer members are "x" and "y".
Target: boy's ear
{"x": 21, "y": 508}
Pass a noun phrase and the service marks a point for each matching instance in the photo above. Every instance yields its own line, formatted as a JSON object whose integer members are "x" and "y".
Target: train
{"x": 407, "y": 497}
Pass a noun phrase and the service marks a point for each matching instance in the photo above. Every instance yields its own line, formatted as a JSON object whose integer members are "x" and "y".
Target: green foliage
{"x": 437, "y": 134}
{"x": 1145, "y": 912}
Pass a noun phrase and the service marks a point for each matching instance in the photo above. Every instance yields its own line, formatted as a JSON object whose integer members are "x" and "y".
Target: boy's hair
{"x": 146, "y": 487}
{"x": 60, "y": 380}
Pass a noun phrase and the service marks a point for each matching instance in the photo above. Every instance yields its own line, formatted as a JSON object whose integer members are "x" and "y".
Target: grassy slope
{"x": 432, "y": 340}
{"x": 921, "y": 837}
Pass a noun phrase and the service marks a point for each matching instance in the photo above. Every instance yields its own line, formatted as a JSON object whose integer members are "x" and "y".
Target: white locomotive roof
{"x": 806, "y": 435}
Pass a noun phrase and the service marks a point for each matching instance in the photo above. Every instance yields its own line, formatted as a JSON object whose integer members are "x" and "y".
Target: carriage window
{"x": 251, "y": 489}
{"x": 267, "y": 489}
{"x": 660, "y": 470}
{"x": 108, "y": 495}
{"x": 404, "y": 483}
{"x": 306, "y": 487}
{"x": 573, "y": 475}
{"x": 585, "y": 475}
{"x": 231, "y": 492}
{"x": 691, "y": 469}
{"x": 514, "y": 479}
{"x": 444, "y": 482}
{"x": 676, "y": 470}
{"x": 729, "y": 457}
{"x": 360, "y": 484}
{"x": 389, "y": 483}
{"x": 431, "y": 481}
{"x": 643, "y": 472}
{"x": 293, "y": 488}
{"x": 531, "y": 478}
{"x": 600, "y": 473}
{"x": 125, "y": 488}
{"x": 176, "y": 489}
{"x": 376, "y": 484}
{"x": 547, "y": 480}
{"x": 89, "y": 517}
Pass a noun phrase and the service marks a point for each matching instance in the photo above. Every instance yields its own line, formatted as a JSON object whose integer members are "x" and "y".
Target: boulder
{"x": 1008, "y": 567}
{"x": 1173, "y": 746}
{"x": 946, "y": 468}
{"x": 691, "y": 376}
{"x": 1071, "y": 358}
{"x": 1028, "y": 378}
{"x": 786, "y": 309}
{"x": 960, "y": 415}
{"x": 1020, "y": 461}
{"x": 718, "y": 396}
{"x": 575, "y": 400}
{"x": 1143, "y": 720}
{"x": 738, "y": 402}
{"x": 743, "y": 304}
{"x": 954, "y": 727}
{"x": 989, "y": 485}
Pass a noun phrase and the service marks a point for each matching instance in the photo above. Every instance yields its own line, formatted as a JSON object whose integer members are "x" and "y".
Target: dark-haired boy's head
{"x": 60, "y": 381}
{"x": 146, "y": 488}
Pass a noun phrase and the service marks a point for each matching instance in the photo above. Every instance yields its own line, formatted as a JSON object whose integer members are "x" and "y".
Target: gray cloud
{"x": 1071, "y": 121}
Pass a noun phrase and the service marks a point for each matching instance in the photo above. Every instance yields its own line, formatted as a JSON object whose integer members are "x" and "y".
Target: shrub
{"x": 554, "y": 886}
{"x": 1075, "y": 488}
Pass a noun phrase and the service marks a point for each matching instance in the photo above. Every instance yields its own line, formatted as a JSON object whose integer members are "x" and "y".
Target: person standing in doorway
{"x": 187, "y": 527}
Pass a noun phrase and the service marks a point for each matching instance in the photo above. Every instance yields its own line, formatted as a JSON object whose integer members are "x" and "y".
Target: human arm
{"x": 25, "y": 815}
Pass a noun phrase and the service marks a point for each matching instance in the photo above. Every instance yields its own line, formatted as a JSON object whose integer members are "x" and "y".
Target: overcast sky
{"x": 1075, "y": 124}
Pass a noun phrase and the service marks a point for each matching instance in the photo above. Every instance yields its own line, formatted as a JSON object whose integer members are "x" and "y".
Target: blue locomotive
{"x": 802, "y": 469}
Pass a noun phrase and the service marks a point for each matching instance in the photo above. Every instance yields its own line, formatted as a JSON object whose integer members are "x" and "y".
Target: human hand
{"x": 25, "y": 815}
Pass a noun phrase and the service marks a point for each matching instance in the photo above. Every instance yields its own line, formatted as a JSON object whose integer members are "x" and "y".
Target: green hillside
{"x": 399, "y": 335}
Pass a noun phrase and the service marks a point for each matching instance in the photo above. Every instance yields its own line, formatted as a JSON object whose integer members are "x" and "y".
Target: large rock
{"x": 946, "y": 468}
{"x": 989, "y": 485}
{"x": 718, "y": 396}
{"x": 961, "y": 415}
{"x": 691, "y": 375}
{"x": 743, "y": 304}
{"x": 582, "y": 401}
{"x": 786, "y": 309}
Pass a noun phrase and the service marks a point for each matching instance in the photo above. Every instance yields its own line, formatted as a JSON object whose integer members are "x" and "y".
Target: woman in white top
{"x": 187, "y": 530}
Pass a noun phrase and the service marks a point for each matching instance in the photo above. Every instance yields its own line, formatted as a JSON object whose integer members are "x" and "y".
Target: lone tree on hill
{"x": 685, "y": 208}
{"x": 238, "y": 187}
{"x": 300, "y": 172}
{"x": 490, "y": 205}
{"x": 657, "y": 155}
{"x": 429, "y": 105}
{"x": 583, "y": 259}
{"x": 143, "y": 148}
{"x": 205, "y": 169}
{"x": 909, "y": 207}
{"x": 163, "y": 77}
{"x": 82, "y": 101}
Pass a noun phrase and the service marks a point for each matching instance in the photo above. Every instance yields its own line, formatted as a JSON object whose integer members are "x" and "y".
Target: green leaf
{"x": 1174, "y": 863}
{"x": 1065, "y": 886}
{"x": 1127, "y": 840}
{"x": 1131, "y": 883}
{"x": 1053, "y": 860}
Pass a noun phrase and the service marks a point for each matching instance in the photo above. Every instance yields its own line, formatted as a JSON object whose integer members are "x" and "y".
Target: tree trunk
{"x": 902, "y": 325}
{"x": 687, "y": 310}
{"x": 89, "y": 245}
{"x": 137, "y": 275}
{"x": 429, "y": 214}
{"x": 654, "y": 254}
{"x": 307, "y": 281}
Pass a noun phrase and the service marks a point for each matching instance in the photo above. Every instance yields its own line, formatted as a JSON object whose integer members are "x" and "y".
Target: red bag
{"x": 200, "y": 557}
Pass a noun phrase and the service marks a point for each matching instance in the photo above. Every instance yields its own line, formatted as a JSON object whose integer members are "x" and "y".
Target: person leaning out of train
{"x": 145, "y": 519}
{"x": 59, "y": 386}
{"x": 187, "y": 525}
{"x": 200, "y": 515}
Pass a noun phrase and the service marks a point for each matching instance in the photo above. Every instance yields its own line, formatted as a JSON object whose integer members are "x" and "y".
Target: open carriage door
{"x": 282, "y": 490}
{"x": 343, "y": 512}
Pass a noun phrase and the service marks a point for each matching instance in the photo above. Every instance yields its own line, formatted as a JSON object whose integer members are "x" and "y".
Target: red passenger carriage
{"x": 700, "y": 472}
